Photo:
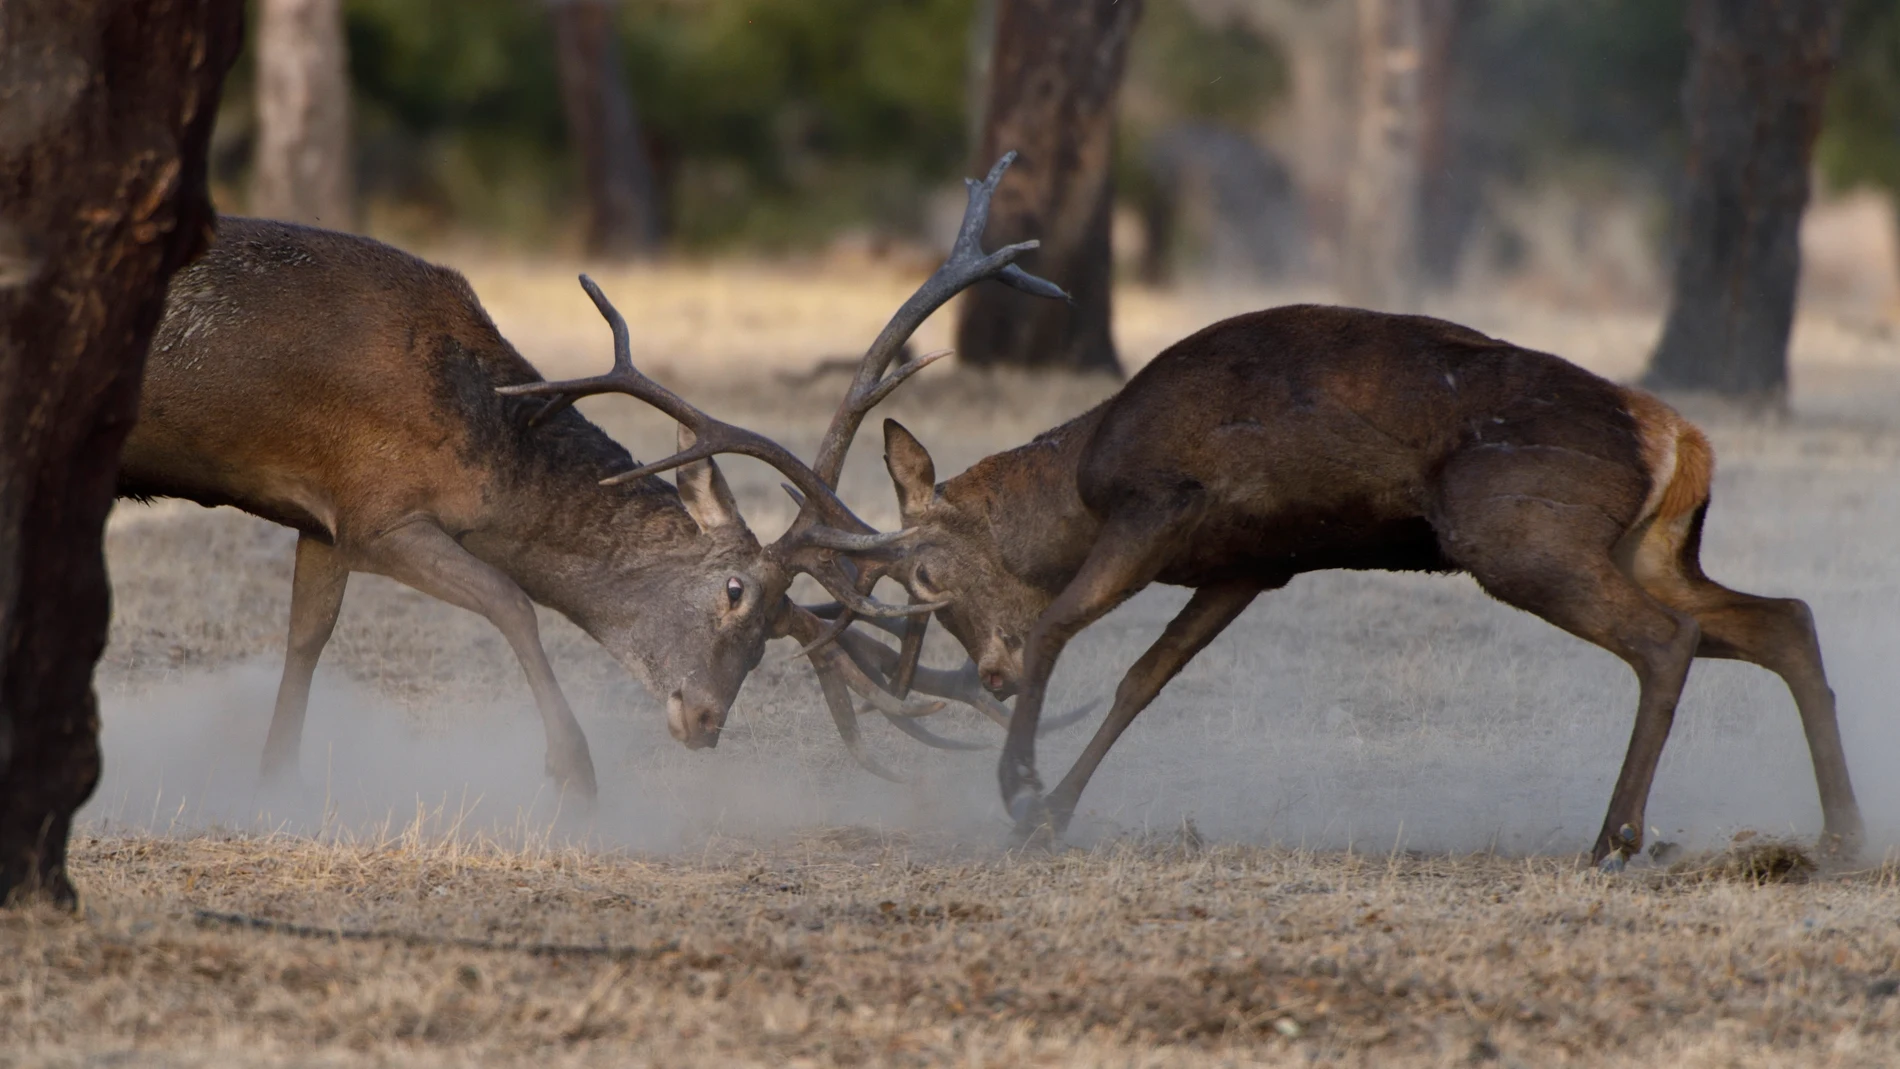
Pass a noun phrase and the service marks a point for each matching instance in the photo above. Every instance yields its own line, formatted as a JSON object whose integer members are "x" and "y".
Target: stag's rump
{"x": 1311, "y": 437}
{"x": 296, "y": 369}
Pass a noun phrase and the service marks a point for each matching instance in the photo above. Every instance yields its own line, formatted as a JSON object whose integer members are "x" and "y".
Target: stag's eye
{"x": 922, "y": 576}
{"x": 735, "y": 592}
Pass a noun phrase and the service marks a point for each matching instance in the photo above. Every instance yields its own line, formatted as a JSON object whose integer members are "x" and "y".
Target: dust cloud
{"x": 1363, "y": 712}
{"x": 1348, "y": 710}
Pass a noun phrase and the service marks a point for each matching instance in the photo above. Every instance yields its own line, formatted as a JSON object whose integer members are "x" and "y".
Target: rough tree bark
{"x": 1379, "y": 253}
{"x": 1055, "y": 71}
{"x": 1753, "y": 99}
{"x": 623, "y": 217}
{"x": 108, "y": 106}
{"x": 303, "y": 162}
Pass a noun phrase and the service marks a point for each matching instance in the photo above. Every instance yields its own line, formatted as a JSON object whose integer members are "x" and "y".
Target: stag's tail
{"x": 1663, "y": 540}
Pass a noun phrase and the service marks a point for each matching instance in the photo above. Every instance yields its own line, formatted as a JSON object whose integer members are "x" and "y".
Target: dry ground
{"x": 848, "y": 947}
{"x": 1388, "y": 777}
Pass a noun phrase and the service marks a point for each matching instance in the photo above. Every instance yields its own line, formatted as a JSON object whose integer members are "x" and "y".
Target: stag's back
{"x": 1326, "y": 402}
{"x": 334, "y": 384}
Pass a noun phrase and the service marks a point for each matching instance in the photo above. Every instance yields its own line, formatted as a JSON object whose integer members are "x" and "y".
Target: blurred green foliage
{"x": 1861, "y": 142}
{"x": 781, "y": 121}
{"x": 1181, "y": 66}
{"x": 775, "y": 123}
{"x": 769, "y": 122}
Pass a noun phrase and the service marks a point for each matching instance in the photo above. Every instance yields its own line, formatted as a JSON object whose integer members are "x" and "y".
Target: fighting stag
{"x": 361, "y": 396}
{"x": 1307, "y": 438}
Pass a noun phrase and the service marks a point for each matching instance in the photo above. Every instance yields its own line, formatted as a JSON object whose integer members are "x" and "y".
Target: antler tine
{"x": 808, "y": 546}
{"x": 838, "y": 676}
{"x": 966, "y": 266}
{"x": 909, "y": 651}
{"x": 833, "y": 578}
{"x": 712, "y": 435}
{"x": 624, "y": 378}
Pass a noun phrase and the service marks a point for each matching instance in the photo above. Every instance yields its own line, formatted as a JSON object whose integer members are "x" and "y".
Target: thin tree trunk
{"x": 303, "y": 162}
{"x": 1379, "y": 260}
{"x": 1315, "y": 132}
{"x": 1753, "y": 99}
{"x": 109, "y": 106}
{"x": 1446, "y": 200}
{"x": 623, "y": 217}
{"x": 1055, "y": 71}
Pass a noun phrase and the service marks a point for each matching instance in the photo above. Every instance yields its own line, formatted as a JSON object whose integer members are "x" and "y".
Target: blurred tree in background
{"x": 1055, "y": 76}
{"x": 603, "y": 129}
{"x": 1754, "y": 101}
{"x": 302, "y": 169}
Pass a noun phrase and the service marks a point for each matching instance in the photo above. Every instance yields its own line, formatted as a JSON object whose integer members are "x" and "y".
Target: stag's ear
{"x": 704, "y": 492}
{"x": 910, "y": 468}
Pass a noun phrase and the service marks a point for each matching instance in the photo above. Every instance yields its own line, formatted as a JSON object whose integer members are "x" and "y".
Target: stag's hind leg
{"x": 1554, "y": 559}
{"x": 1775, "y": 633}
{"x": 316, "y": 596}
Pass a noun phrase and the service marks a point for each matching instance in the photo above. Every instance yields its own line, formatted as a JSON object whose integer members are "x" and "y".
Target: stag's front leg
{"x": 1205, "y": 616}
{"x": 1127, "y": 555}
{"x": 421, "y": 555}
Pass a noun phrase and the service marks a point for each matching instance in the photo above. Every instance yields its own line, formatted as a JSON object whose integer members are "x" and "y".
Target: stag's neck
{"x": 576, "y": 546}
{"x": 1029, "y": 497}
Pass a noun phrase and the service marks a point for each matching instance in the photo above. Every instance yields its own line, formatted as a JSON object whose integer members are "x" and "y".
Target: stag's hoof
{"x": 1619, "y": 848}
{"x": 573, "y": 775}
{"x": 1036, "y": 823}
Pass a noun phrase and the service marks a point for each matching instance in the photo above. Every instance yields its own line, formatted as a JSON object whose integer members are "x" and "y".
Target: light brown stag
{"x": 362, "y": 396}
{"x": 1307, "y": 438}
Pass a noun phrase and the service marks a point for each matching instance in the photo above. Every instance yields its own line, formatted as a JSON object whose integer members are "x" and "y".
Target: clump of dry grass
{"x": 1753, "y": 858}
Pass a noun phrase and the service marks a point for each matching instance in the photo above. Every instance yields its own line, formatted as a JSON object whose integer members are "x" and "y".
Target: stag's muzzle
{"x": 696, "y": 724}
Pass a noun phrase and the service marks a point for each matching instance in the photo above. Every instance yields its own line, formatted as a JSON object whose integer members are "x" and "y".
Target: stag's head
{"x": 953, "y": 558}
{"x": 707, "y": 627}
{"x": 705, "y": 607}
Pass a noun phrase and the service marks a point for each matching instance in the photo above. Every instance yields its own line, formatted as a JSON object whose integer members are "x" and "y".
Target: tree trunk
{"x": 302, "y": 171}
{"x": 1055, "y": 69}
{"x": 1753, "y": 99}
{"x": 1314, "y": 131}
{"x": 623, "y": 218}
{"x": 1447, "y": 188}
{"x": 1379, "y": 258}
{"x": 109, "y": 105}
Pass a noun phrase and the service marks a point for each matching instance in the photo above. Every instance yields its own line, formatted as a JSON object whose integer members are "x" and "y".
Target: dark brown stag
{"x": 361, "y": 396}
{"x": 1308, "y": 438}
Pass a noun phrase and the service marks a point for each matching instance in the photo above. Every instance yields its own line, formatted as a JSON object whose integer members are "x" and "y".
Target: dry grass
{"x": 768, "y": 904}
{"x": 848, "y": 947}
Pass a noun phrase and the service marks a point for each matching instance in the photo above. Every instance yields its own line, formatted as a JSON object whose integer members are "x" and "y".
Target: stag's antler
{"x": 967, "y": 265}
{"x": 711, "y": 436}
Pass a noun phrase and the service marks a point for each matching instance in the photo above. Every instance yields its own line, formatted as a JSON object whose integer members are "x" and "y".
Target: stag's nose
{"x": 996, "y": 680}
{"x": 698, "y": 726}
